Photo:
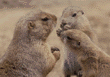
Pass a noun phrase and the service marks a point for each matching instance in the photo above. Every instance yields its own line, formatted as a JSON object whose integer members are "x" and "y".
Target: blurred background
{"x": 97, "y": 11}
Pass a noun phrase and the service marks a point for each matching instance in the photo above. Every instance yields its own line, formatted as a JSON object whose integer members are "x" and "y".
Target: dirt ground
{"x": 97, "y": 11}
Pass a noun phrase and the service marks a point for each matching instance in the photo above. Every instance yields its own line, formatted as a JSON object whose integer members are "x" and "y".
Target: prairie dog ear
{"x": 31, "y": 25}
{"x": 82, "y": 12}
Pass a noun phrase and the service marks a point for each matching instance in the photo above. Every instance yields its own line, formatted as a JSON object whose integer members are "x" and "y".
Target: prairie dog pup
{"x": 28, "y": 55}
{"x": 94, "y": 62}
{"x": 74, "y": 18}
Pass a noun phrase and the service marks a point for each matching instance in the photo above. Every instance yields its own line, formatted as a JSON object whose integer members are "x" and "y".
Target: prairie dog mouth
{"x": 62, "y": 25}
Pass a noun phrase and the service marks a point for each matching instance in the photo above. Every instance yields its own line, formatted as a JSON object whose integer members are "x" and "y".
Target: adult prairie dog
{"x": 94, "y": 62}
{"x": 28, "y": 55}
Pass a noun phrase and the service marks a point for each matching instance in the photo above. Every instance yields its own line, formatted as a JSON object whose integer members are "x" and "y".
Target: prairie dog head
{"x": 75, "y": 39}
{"x": 73, "y": 18}
{"x": 36, "y": 24}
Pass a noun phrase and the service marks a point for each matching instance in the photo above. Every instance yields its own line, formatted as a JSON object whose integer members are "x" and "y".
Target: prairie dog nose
{"x": 63, "y": 23}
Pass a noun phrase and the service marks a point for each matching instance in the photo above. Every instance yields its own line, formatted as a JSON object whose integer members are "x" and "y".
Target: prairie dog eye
{"x": 79, "y": 43}
{"x": 45, "y": 19}
{"x": 69, "y": 38}
{"x": 74, "y": 15}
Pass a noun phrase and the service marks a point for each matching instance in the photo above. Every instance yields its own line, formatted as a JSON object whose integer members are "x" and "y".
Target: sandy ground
{"x": 97, "y": 11}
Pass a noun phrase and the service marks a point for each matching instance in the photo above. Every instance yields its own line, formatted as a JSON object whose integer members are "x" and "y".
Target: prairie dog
{"x": 94, "y": 61}
{"x": 28, "y": 54}
{"x": 74, "y": 18}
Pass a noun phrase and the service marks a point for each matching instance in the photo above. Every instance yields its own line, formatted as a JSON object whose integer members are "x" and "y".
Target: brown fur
{"x": 94, "y": 61}
{"x": 74, "y": 18}
{"x": 28, "y": 55}
{"x": 79, "y": 22}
